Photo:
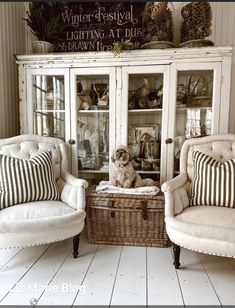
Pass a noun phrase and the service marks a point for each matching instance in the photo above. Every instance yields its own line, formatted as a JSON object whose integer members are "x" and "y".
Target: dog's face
{"x": 121, "y": 155}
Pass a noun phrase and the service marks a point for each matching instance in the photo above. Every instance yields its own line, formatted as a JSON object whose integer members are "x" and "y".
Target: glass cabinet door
{"x": 49, "y": 107}
{"x": 196, "y": 102}
{"x": 144, "y": 104}
{"x": 94, "y": 118}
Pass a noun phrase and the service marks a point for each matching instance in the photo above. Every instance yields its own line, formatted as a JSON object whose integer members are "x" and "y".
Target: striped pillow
{"x": 27, "y": 180}
{"x": 213, "y": 182}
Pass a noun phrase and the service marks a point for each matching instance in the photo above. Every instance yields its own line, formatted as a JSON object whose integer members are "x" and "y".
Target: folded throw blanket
{"x": 106, "y": 187}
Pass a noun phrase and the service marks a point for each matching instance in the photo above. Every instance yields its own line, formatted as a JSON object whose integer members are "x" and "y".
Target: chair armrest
{"x": 70, "y": 179}
{"x": 176, "y": 197}
{"x": 175, "y": 183}
{"x": 72, "y": 191}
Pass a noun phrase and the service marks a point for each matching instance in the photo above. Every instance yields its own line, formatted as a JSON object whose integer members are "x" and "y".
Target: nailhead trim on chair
{"x": 41, "y": 243}
{"x": 206, "y": 252}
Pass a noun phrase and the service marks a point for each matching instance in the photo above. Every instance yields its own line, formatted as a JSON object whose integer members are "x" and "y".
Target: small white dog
{"x": 123, "y": 174}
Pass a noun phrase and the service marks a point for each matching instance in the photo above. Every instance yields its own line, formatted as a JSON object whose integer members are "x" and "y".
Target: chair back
{"x": 27, "y": 146}
{"x": 220, "y": 147}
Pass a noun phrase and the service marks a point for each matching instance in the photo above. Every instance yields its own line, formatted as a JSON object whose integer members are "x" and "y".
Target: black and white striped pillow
{"x": 27, "y": 180}
{"x": 213, "y": 182}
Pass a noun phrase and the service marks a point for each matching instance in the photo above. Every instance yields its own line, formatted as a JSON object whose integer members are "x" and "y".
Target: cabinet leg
{"x": 76, "y": 240}
{"x": 176, "y": 250}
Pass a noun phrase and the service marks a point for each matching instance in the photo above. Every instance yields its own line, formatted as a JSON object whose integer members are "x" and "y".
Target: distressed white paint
{"x": 223, "y": 34}
{"x": 12, "y": 37}
{"x": 119, "y": 70}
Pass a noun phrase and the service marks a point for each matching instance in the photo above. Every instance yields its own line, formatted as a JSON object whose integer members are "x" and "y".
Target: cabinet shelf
{"x": 93, "y": 171}
{"x": 49, "y": 110}
{"x": 194, "y": 107}
{"x": 93, "y": 111}
{"x": 144, "y": 111}
{"x": 148, "y": 172}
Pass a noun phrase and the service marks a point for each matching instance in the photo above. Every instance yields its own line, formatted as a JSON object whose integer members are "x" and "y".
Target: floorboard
{"x": 113, "y": 275}
{"x": 7, "y": 254}
{"x": 130, "y": 284}
{"x": 222, "y": 276}
{"x": 194, "y": 282}
{"x": 69, "y": 278}
{"x": 99, "y": 280}
{"x": 162, "y": 278}
{"x": 35, "y": 280}
{"x": 17, "y": 267}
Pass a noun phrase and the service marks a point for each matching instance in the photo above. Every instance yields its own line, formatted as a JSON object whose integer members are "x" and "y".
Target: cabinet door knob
{"x": 71, "y": 141}
{"x": 168, "y": 140}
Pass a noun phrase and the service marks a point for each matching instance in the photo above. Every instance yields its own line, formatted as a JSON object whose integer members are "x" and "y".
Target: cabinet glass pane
{"x": 49, "y": 106}
{"x": 145, "y": 122}
{"x": 50, "y": 124}
{"x": 193, "y": 108}
{"x": 93, "y": 126}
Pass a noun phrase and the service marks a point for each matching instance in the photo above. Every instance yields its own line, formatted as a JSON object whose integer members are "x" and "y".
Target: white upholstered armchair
{"x": 39, "y": 222}
{"x": 204, "y": 228}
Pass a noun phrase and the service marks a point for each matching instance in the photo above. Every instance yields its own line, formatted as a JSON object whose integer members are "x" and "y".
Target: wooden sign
{"x": 95, "y": 26}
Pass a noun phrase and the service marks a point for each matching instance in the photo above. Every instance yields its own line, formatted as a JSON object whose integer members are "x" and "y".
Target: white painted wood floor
{"x": 113, "y": 275}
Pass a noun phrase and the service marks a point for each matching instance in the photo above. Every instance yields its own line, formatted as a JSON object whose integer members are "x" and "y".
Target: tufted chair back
{"x": 220, "y": 147}
{"x": 27, "y": 146}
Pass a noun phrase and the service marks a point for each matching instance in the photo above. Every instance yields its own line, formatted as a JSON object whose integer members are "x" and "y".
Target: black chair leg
{"x": 176, "y": 250}
{"x": 76, "y": 240}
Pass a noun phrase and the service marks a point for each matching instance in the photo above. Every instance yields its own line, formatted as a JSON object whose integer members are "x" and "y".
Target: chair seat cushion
{"x": 35, "y": 210}
{"x": 38, "y": 216}
{"x": 206, "y": 222}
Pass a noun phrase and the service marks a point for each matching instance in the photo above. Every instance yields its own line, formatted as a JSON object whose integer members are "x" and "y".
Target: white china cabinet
{"x": 149, "y": 100}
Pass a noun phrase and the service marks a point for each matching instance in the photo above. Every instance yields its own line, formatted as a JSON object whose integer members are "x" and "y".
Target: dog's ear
{"x": 129, "y": 153}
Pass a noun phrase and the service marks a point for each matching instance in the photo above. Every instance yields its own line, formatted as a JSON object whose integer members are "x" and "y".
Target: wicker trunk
{"x": 122, "y": 219}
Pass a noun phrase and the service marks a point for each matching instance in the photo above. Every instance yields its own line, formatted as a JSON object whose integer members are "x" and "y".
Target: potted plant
{"x": 45, "y": 22}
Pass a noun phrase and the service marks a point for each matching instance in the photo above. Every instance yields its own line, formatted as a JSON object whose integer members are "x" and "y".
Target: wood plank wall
{"x": 12, "y": 41}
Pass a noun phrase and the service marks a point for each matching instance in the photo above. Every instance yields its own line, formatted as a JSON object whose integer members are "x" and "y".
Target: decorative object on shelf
{"x": 149, "y": 147}
{"x": 123, "y": 174}
{"x": 182, "y": 91}
{"x": 208, "y": 122}
{"x": 45, "y": 22}
{"x": 145, "y": 98}
{"x": 178, "y": 143}
{"x": 144, "y": 146}
{"x": 196, "y": 24}
{"x": 120, "y": 46}
{"x": 85, "y": 100}
{"x": 157, "y": 26}
{"x": 101, "y": 91}
{"x": 193, "y": 125}
{"x": 196, "y": 93}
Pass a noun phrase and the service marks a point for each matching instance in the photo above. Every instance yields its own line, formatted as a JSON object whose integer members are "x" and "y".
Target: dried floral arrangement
{"x": 196, "y": 21}
{"x": 157, "y": 22}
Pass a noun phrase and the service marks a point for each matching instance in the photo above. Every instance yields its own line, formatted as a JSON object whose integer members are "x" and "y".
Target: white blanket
{"x": 106, "y": 187}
